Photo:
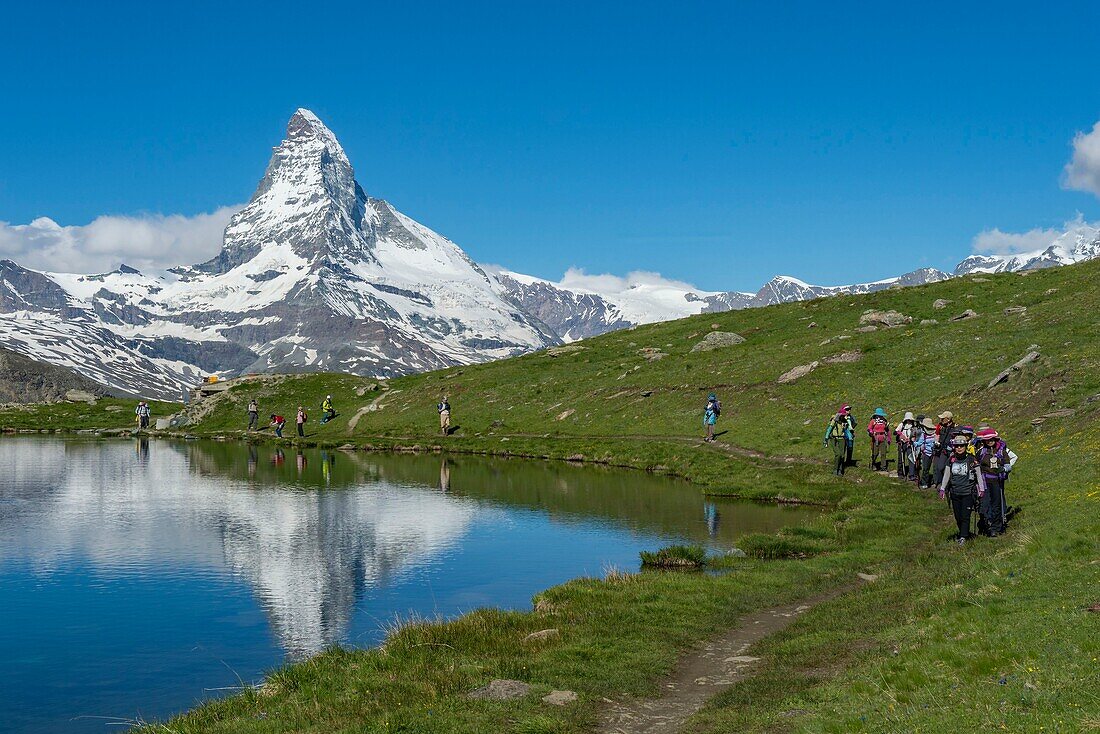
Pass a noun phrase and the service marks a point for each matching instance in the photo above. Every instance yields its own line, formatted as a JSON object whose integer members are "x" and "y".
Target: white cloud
{"x": 148, "y": 242}
{"x": 577, "y": 279}
{"x": 1082, "y": 173}
{"x": 995, "y": 242}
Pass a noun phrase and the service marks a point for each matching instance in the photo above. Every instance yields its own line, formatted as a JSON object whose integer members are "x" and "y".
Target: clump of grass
{"x": 675, "y": 556}
{"x": 762, "y": 545}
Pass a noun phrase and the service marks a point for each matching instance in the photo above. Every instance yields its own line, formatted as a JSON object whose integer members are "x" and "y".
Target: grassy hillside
{"x": 995, "y": 634}
{"x": 106, "y": 413}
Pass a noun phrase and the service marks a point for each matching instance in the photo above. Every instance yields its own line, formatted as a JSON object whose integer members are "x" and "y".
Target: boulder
{"x": 844, "y": 357}
{"x": 718, "y": 340}
{"x": 559, "y": 698}
{"x": 80, "y": 396}
{"x": 798, "y": 372}
{"x": 500, "y": 689}
{"x": 542, "y": 635}
{"x": 940, "y": 303}
{"x": 566, "y": 413}
{"x": 928, "y": 322}
{"x": 886, "y": 319}
{"x": 1015, "y": 367}
{"x": 652, "y": 354}
{"x": 967, "y": 314}
{"x": 563, "y": 350}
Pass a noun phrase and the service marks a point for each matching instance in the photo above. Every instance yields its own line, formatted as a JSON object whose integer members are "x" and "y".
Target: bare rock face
{"x": 501, "y": 690}
{"x": 25, "y": 380}
{"x": 718, "y": 340}
{"x": 798, "y": 372}
{"x": 886, "y": 319}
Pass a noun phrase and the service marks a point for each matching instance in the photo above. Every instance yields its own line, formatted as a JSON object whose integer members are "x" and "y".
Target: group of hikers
{"x": 969, "y": 467}
{"x": 278, "y": 422}
{"x": 328, "y": 412}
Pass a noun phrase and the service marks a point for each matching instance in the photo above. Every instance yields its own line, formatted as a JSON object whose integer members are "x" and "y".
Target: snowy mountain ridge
{"x": 315, "y": 275}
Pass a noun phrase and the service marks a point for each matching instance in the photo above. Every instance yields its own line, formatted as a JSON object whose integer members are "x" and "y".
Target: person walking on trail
{"x": 996, "y": 461}
{"x": 253, "y": 415}
{"x": 328, "y": 412}
{"x": 904, "y": 434}
{"x": 711, "y": 412}
{"x": 924, "y": 452}
{"x": 278, "y": 422}
{"x": 964, "y": 482}
{"x": 840, "y": 436}
{"x": 850, "y": 450}
{"x": 142, "y": 412}
{"x": 300, "y": 419}
{"x": 879, "y": 431}
{"x": 945, "y": 431}
{"x": 444, "y": 409}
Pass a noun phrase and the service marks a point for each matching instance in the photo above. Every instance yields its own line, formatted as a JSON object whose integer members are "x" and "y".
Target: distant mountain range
{"x": 314, "y": 275}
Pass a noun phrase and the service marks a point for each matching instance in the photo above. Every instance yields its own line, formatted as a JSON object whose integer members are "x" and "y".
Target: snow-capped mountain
{"x": 313, "y": 275}
{"x": 1077, "y": 244}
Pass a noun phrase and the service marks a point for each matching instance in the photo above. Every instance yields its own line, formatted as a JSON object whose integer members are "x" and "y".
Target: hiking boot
{"x": 961, "y": 541}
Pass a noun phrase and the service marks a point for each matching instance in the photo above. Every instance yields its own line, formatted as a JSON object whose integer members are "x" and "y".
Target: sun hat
{"x": 846, "y": 408}
{"x": 908, "y": 417}
{"x": 946, "y": 414}
{"x": 959, "y": 441}
{"x": 880, "y": 412}
{"x": 967, "y": 429}
{"x": 988, "y": 434}
{"x": 927, "y": 423}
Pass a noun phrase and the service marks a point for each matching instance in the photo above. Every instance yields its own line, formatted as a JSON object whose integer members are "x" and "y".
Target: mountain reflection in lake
{"x": 137, "y": 576}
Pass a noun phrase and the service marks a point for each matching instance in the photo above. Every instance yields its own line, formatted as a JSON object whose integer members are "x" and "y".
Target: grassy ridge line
{"x": 106, "y": 413}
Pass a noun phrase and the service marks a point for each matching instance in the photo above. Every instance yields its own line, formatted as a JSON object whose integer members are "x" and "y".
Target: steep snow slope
{"x": 1076, "y": 245}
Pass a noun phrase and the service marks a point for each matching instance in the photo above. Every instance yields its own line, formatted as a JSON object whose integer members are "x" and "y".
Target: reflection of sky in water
{"x": 134, "y": 575}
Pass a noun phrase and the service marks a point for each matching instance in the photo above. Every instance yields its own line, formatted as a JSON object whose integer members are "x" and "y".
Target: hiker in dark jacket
{"x": 904, "y": 434}
{"x": 850, "y": 452}
{"x": 996, "y": 461}
{"x": 444, "y": 409}
{"x": 964, "y": 483}
{"x": 945, "y": 431}
{"x": 253, "y": 415}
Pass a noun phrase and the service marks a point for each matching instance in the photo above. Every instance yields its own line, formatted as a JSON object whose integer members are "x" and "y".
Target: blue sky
{"x": 715, "y": 143}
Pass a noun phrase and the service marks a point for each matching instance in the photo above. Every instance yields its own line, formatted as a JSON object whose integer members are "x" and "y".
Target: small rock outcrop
{"x": 1015, "y": 309}
{"x": 929, "y": 322}
{"x": 940, "y": 303}
{"x": 1016, "y": 367}
{"x": 559, "y": 698}
{"x": 844, "y": 357}
{"x": 652, "y": 354}
{"x": 965, "y": 315}
{"x": 718, "y": 340}
{"x": 564, "y": 350}
{"x": 885, "y": 319}
{"x": 500, "y": 689}
{"x": 798, "y": 372}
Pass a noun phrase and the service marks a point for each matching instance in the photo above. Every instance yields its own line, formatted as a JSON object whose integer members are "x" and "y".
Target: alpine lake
{"x": 139, "y": 577}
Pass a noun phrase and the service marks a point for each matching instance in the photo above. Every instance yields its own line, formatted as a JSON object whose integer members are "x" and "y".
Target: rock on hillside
{"x": 24, "y": 380}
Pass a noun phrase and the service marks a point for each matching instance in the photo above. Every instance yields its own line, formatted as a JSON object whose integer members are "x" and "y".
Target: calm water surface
{"x": 139, "y": 577}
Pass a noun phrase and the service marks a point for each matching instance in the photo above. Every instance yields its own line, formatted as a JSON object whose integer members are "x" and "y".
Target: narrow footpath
{"x": 705, "y": 672}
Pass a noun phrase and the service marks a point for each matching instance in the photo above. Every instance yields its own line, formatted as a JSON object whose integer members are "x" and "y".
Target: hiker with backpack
{"x": 300, "y": 419}
{"x": 840, "y": 435}
{"x": 924, "y": 452}
{"x": 945, "y": 431}
{"x": 996, "y": 461}
{"x": 278, "y": 422}
{"x": 328, "y": 411}
{"x": 879, "y": 431}
{"x": 711, "y": 412}
{"x": 253, "y": 415}
{"x": 444, "y": 409}
{"x": 142, "y": 412}
{"x": 964, "y": 482}
{"x": 904, "y": 434}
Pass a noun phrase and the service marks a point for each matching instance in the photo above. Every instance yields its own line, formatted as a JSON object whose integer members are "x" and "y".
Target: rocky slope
{"x": 24, "y": 380}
